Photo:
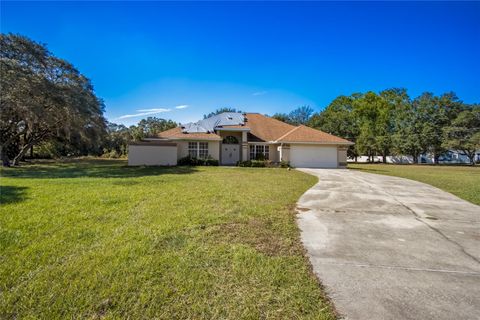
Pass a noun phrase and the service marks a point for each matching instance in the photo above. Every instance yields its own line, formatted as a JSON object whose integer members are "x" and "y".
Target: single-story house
{"x": 231, "y": 137}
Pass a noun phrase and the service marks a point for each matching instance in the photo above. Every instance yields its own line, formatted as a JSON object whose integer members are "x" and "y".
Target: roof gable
{"x": 263, "y": 128}
{"x": 306, "y": 134}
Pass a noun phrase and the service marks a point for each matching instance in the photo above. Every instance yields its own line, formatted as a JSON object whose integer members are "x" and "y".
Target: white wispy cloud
{"x": 259, "y": 93}
{"x": 155, "y": 110}
{"x": 183, "y": 106}
{"x": 145, "y": 112}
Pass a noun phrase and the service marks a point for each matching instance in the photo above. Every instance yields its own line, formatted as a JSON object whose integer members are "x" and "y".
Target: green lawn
{"x": 96, "y": 239}
{"x": 462, "y": 181}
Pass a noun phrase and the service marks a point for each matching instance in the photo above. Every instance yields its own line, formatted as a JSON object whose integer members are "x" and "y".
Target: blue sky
{"x": 182, "y": 60}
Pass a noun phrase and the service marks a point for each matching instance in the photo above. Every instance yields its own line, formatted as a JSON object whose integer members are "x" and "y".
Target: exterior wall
{"x": 342, "y": 156}
{"x": 274, "y": 153}
{"x": 213, "y": 149}
{"x": 285, "y": 152}
{"x": 139, "y": 155}
{"x": 182, "y": 149}
{"x": 245, "y": 151}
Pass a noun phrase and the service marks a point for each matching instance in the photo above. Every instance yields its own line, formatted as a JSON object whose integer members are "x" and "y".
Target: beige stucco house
{"x": 232, "y": 137}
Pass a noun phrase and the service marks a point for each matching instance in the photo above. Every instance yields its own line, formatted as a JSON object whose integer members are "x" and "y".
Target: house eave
{"x": 233, "y": 129}
{"x": 186, "y": 139}
{"x": 145, "y": 142}
{"x": 316, "y": 142}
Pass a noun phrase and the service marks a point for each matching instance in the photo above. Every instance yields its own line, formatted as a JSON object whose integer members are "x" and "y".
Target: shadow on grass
{"x": 11, "y": 194}
{"x": 96, "y": 168}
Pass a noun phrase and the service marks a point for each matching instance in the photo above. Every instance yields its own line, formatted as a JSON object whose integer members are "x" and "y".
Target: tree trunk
{"x": 471, "y": 157}
{"x": 4, "y": 151}
{"x": 22, "y": 152}
{"x": 4, "y": 157}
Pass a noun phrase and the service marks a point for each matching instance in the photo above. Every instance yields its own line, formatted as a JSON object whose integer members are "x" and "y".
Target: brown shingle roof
{"x": 177, "y": 134}
{"x": 264, "y": 128}
{"x": 307, "y": 134}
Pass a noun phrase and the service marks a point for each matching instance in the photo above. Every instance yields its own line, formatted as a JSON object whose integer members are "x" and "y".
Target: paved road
{"x": 392, "y": 248}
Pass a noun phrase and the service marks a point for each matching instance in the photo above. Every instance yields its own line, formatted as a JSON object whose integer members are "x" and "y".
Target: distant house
{"x": 231, "y": 137}
{"x": 449, "y": 157}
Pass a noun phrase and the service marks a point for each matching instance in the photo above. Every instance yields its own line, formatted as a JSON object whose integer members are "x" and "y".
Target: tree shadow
{"x": 94, "y": 168}
{"x": 12, "y": 194}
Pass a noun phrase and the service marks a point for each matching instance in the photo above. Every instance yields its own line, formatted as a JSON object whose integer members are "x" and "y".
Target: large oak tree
{"x": 42, "y": 97}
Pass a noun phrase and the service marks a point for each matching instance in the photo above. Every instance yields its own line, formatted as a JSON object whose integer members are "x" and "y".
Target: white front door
{"x": 230, "y": 154}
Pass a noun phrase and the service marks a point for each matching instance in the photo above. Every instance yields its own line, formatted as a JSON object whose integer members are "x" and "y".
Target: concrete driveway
{"x": 392, "y": 248}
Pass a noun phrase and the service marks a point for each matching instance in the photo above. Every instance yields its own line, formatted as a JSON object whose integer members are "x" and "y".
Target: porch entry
{"x": 230, "y": 150}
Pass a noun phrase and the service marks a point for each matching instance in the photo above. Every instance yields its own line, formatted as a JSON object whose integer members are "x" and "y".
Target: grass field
{"x": 96, "y": 239}
{"x": 462, "y": 181}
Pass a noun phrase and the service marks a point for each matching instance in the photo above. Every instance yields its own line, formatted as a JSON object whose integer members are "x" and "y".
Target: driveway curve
{"x": 392, "y": 248}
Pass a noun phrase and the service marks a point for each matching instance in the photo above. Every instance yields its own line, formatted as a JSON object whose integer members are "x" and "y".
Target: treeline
{"x": 49, "y": 109}
{"x": 117, "y": 137}
{"x": 112, "y": 142}
{"x": 391, "y": 123}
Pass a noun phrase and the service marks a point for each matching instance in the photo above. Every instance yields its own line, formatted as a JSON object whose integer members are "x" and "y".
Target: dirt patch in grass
{"x": 256, "y": 233}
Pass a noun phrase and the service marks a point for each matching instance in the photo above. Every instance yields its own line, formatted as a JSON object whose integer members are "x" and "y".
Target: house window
{"x": 259, "y": 152}
{"x": 193, "y": 149}
{"x": 198, "y": 150}
{"x": 202, "y": 150}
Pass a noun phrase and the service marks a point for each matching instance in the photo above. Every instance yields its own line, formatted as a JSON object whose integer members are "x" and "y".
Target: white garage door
{"x": 155, "y": 155}
{"x": 311, "y": 156}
